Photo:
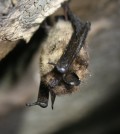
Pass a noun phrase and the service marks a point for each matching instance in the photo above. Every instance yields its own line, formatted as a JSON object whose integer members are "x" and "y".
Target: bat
{"x": 63, "y": 58}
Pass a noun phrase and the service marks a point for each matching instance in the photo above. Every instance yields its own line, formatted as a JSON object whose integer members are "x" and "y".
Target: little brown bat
{"x": 63, "y": 58}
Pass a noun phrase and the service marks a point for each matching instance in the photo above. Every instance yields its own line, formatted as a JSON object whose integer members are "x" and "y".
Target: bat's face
{"x": 63, "y": 59}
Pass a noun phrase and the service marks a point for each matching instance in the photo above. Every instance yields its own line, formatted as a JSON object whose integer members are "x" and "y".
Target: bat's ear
{"x": 71, "y": 79}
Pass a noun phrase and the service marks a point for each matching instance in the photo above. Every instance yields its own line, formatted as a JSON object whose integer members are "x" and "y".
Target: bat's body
{"x": 63, "y": 59}
{"x": 52, "y": 51}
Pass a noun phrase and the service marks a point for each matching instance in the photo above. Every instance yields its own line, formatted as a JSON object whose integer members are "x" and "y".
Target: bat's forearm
{"x": 76, "y": 42}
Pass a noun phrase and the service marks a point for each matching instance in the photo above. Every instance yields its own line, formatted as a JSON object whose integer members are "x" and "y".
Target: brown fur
{"x": 53, "y": 47}
{"x": 57, "y": 40}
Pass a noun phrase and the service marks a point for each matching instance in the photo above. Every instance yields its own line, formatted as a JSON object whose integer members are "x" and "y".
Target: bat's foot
{"x": 65, "y": 6}
{"x": 41, "y": 104}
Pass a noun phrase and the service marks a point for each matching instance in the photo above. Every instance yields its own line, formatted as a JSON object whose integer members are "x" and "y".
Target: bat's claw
{"x": 65, "y": 5}
{"x": 65, "y": 9}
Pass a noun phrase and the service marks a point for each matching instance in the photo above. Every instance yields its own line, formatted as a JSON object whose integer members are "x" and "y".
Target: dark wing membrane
{"x": 76, "y": 42}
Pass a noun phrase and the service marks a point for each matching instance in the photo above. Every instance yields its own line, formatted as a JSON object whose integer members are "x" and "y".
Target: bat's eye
{"x": 71, "y": 79}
